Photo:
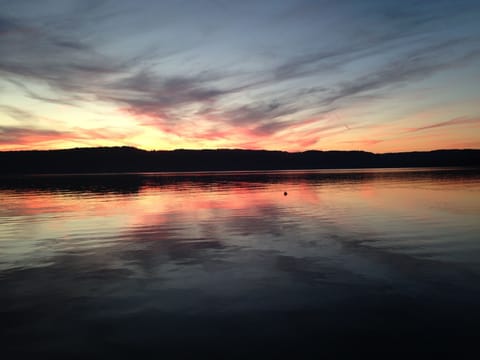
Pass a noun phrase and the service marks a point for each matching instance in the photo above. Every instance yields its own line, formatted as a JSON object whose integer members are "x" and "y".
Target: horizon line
{"x": 234, "y": 149}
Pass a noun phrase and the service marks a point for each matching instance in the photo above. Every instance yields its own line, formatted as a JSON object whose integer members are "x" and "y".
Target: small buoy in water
{"x": 285, "y": 193}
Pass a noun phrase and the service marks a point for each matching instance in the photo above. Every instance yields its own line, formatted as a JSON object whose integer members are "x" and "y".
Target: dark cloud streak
{"x": 16, "y": 113}
{"x": 451, "y": 122}
{"x": 412, "y": 67}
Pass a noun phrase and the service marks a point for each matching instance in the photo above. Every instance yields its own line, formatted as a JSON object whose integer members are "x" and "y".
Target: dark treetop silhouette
{"x": 128, "y": 159}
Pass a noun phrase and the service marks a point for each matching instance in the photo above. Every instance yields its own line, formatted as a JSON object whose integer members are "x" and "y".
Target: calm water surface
{"x": 382, "y": 262}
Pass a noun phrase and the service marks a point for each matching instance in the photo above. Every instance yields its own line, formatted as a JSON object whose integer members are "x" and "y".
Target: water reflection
{"x": 123, "y": 265}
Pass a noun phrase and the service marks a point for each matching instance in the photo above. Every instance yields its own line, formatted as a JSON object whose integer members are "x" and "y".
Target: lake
{"x": 241, "y": 264}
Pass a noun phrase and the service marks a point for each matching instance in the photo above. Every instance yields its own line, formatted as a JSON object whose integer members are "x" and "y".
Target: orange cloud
{"x": 18, "y": 138}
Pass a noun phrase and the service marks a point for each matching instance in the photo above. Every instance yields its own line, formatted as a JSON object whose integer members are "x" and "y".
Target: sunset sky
{"x": 289, "y": 75}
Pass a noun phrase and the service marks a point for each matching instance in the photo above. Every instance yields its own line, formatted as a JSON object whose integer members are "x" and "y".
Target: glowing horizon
{"x": 291, "y": 75}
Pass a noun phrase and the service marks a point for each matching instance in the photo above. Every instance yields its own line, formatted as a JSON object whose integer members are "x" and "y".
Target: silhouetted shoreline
{"x": 129, "y": 159}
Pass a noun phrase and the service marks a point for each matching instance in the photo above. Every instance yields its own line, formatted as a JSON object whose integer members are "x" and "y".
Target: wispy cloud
{"x": 19, "y": 135}
{"x": 17, "y": 113}
{"x": 145, "y": 93}
{"x": 451, "y": 122}
{"x": 364, "y": 142}
{"x": 413, "y": 66}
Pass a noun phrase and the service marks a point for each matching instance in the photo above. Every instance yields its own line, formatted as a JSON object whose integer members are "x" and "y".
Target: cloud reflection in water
{"x": 188, "y": 259}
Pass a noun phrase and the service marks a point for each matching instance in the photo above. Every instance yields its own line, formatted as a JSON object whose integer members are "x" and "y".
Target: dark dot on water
{"x": 285, "y": 193}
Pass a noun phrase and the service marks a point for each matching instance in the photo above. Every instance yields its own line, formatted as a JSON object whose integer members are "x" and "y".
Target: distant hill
{"x": 128, "y": 159}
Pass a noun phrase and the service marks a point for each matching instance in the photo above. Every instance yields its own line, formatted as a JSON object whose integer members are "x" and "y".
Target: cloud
{"x": 18, "y": 135}
{"x": 77, "y": 72}
{"x": 65, "y": 64}
{"x": 258, "y": 112}
{"x": 451, "y": 122}
{"x": 148, "y": 94}
{"x": 415, "y": 65}
{"x": 332, "y": 55}
{"x": 364, "y": 142}
{"x": 16, "y": 113}
{"x": 367, "y": 29}
{"x": 312, "y": 63}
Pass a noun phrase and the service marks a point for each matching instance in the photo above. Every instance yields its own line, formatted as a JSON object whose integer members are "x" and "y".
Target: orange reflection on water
{"x": 342, "y": 201}
{"x": 35, "y": 203}
{"x": 41, "y": 203}
{"x": 202, "y": 202}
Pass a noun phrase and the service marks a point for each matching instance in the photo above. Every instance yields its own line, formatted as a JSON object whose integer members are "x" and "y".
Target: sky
{"x": 292, "y": 75}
